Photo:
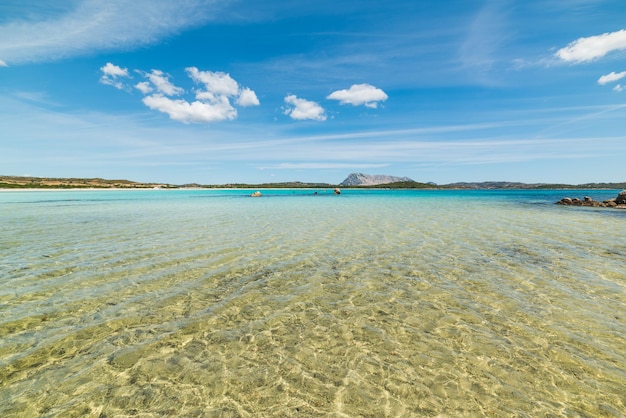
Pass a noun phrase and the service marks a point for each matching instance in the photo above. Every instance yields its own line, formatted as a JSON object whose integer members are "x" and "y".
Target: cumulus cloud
{"x": 212, "y": 100}
{"x": 144, "y": 87}
{"x": 112, "y": 75}
{"x": 113, "y": 70}
{"x": 218, "y": 85}
{"x": 593, "y": 47}
{"x": 619, "y": 87}
{"x": 303, "y": 109}
{"x": 247, "y": 97}
{"x": 161, "y": 82}
{"x": 611, "y": 77}
{"x": 215, "y": 82}
{"x": 360, "y": 94}
{"x": 194, "y": 112}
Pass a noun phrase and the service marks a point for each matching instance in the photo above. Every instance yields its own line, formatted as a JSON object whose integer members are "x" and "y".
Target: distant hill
{"x": 492, "y": 185}
{"x": 283, "y": 185}
{"x": 353, "y": 180}
{"x": 15, "y": 182}
{"x": 360, "y": 179}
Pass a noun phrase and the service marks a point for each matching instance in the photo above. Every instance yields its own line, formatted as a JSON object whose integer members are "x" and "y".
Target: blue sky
{"x": 220, "y": 91}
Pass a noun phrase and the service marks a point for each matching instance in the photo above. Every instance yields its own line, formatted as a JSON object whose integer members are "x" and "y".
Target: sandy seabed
{"x": 309, "y": 306}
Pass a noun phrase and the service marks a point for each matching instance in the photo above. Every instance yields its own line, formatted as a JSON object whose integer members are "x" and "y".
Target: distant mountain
{"x": 360, "y": 179}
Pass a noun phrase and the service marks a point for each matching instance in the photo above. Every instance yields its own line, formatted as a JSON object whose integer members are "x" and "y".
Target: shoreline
{"x": 257, "y": 187}
{"x": 73, "y": 183}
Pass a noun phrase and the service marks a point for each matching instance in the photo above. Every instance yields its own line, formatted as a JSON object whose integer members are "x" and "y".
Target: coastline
{"x": 11, "y": 183}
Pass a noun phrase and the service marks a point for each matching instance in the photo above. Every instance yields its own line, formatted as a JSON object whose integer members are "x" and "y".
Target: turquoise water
{"x": 370, "y": 303}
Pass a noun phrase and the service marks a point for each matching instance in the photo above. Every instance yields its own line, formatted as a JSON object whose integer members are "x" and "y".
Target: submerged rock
{"x": 619, "y": 202}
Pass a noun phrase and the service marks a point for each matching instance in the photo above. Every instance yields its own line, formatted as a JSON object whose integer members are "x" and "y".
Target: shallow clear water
{"x": 371, "y": 303}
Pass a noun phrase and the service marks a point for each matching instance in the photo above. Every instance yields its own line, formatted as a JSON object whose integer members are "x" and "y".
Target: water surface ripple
{"x": 372, "y": 304}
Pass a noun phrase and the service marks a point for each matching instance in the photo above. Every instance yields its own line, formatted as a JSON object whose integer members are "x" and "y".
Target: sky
{"x": 251, "y": 91}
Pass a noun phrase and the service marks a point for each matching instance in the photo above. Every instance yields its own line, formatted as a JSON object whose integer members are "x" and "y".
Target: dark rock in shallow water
{"x": 619, "y": 202}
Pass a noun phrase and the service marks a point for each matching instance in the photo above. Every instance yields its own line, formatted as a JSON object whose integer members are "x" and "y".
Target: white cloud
{"x": 219, "y": 84}
{"x": 197, "y": 111}
{"x": 247, "y": 97}
{"x": 114, "y": 71}
{"x": 161, "y": 82}
{"x": 96, "y": 25}
{"x": 3, "y": 64}
{"x": 619, "y": 87}
{"x": 593, "y": 47}
{"x": 304, "y": 109}
{"x": 360, "y": 94}
{"x": 215, "y": 82}
{"x": 144, "y": 87}
{"x": 212, "y": 103}
{"x": 111, "y": 75}
{"x": 609, "y": 78}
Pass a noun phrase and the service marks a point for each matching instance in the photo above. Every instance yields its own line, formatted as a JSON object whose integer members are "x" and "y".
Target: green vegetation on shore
{"x": 284, "y": 185}
{"x": 16, "y": 182}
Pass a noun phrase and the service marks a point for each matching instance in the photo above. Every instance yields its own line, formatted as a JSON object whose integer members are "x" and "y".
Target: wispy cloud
{"x": 359, "y": 94}
{"x": 320, "y": 166}
{"x": 592, "y": 47}
{"x": 302, "y": 109}
{"x": 99, "y": 25}
{"x": 479, "y": 53}
{"x": 611, "y": 77}
{"x": 123, "y": 143}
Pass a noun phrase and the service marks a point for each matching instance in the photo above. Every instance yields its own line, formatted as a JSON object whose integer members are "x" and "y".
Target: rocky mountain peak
{"x": 360, "y": 179}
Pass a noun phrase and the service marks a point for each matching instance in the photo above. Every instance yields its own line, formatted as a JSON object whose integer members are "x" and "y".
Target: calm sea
{"x": 367, "y": 304}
